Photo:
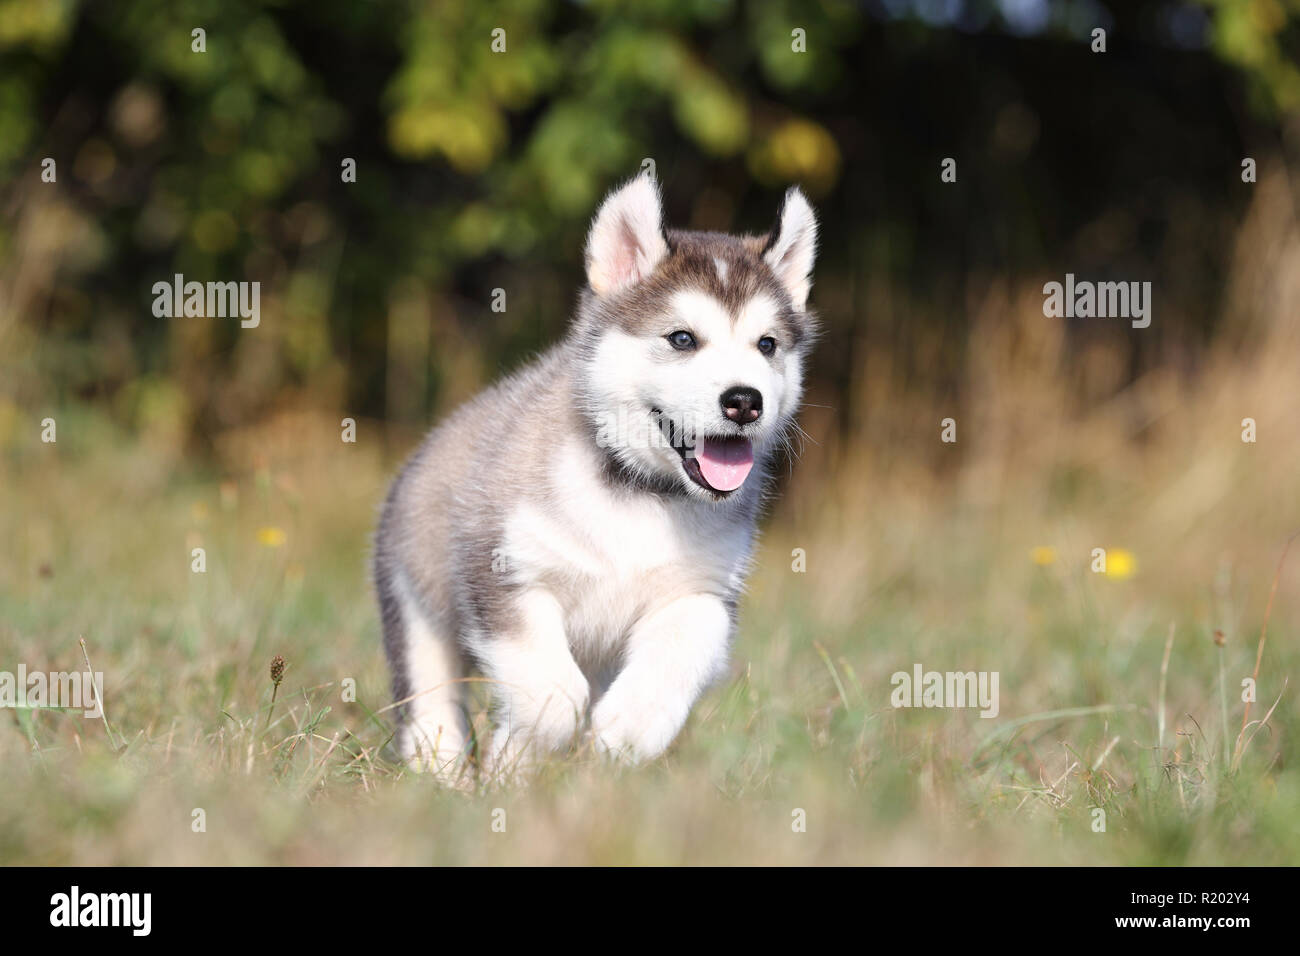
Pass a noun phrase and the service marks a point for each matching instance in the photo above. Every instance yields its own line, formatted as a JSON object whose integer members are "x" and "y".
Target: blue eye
{"x": 767, "y": 345}
{"x": 681, "y": 340}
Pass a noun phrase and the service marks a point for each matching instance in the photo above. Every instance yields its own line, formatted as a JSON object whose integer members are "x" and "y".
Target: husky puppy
{"x": 580, "y": 532}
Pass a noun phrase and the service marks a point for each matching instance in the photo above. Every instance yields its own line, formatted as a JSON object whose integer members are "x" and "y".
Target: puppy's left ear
{"x": 626, "y": 241}
{"x": 792, "y": 246}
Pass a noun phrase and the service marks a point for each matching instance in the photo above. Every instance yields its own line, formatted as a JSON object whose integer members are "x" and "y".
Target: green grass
{"x": 98, "y": 531}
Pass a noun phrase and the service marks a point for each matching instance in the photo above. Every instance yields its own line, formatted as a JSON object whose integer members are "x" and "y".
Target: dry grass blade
{"x": 1259, "y": 653}
{"x": 1164, "y": 681}
{"x": 99, "y": 698}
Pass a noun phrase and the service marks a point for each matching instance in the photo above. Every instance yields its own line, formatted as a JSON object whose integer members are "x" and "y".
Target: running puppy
{"x": 581, "y": 531}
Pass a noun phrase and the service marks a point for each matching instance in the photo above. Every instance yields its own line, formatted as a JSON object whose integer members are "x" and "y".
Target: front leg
{"x": 539, "y": 692}
{"x": 672, "y": 655}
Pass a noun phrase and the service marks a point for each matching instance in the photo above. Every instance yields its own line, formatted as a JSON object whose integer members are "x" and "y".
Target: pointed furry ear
{"x": 792, "y": 246}
{"x": 626, "y": 241}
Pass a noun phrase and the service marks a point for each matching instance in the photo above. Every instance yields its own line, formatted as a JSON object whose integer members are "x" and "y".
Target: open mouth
{"x": 717, "y": 463}
{"x": 720, "y": 464}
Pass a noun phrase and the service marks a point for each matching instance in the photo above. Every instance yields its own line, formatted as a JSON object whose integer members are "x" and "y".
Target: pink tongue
{"x": 725, "y": 463}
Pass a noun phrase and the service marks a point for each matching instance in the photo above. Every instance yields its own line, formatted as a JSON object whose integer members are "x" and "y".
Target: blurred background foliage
{"x": 478, "y": 169}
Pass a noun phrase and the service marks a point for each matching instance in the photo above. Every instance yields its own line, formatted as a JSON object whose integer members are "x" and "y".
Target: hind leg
{"x": 428, "y": 675}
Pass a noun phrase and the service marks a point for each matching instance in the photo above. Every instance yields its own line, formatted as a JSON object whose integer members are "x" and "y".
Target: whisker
{"x": 803, "y": 434}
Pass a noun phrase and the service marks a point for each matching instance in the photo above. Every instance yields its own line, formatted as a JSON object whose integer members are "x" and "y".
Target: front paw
{"x": 633, "y": 735}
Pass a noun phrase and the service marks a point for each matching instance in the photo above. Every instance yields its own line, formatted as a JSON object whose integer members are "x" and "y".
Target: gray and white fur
{"x": 573, "y": 532}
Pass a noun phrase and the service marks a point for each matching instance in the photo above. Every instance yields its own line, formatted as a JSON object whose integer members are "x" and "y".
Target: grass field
{"x": 981, "y": 563}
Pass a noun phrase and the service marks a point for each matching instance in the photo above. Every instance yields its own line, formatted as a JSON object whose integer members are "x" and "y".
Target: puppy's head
{"x": 694, "y": 342}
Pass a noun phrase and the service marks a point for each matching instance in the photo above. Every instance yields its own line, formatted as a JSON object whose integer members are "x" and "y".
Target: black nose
{"x": 742, "y": 405}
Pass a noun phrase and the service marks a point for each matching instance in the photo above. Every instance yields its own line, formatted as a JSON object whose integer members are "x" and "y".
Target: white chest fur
{"x": 610, "y": 557}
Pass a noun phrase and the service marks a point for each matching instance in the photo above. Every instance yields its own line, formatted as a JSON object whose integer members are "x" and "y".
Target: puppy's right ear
{"x": 626, "y": 241}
